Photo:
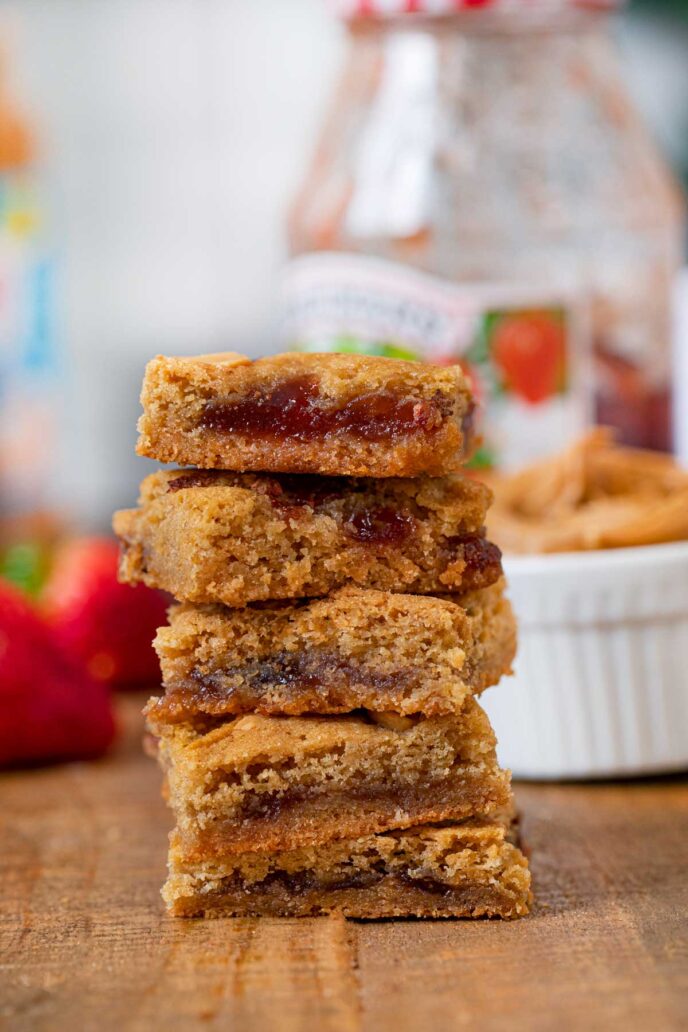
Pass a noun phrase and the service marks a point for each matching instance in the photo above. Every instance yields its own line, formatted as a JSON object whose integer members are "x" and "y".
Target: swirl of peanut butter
{"x": 594, "y": 495}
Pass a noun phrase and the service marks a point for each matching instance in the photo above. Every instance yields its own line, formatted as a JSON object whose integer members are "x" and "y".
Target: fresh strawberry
{"x": 107, "y": 625}
{"x": 50, "y": 709}
{"x": 530, "y": 350}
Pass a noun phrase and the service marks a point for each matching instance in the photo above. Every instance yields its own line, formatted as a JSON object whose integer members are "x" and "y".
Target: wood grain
{"x": 85, "y": 943}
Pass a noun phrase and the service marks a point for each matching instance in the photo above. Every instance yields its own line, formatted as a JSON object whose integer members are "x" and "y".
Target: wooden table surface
{"x": 85, "y": 943}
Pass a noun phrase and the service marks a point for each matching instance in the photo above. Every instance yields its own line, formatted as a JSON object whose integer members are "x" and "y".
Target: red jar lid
{"x": 385, "y": 8}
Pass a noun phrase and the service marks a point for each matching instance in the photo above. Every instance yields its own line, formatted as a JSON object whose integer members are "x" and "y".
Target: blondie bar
{"x": 357, "y": 648}
{"x": 256, "y": 783}
{"x": 347, "y": 415}
{"x": 211, "y": 536}
{"x": 455, "y": 870}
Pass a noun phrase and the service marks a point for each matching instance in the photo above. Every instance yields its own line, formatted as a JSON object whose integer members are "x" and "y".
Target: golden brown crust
{"x": 209, "y": 536}
{"x": 494, "y": 632}
{"x": 458, "y": 870}
{"x": 348, "y": 415}
{"x": 354, "y": 649}
{"x": 260, "y": 783}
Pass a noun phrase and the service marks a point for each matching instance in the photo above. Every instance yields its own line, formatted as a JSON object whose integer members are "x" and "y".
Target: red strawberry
{"x": 50, "y": 709}
{"x": 530, "y": 350}
{"x": 107, "y": 625}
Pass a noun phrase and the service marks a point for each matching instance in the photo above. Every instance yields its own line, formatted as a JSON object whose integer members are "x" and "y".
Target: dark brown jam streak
{"x": 319, "y": 678}
{"x": 194, "y": 478}
{"x": 268, "y": 806}
{"x": 292, "y": 410}
{"x": 376, "y": 526}
{"x": 382, "y": 526}
{"x": 285, "y": 491}
{"x": 429, "y": 885}
{"x": 302, "y": 882}
{"x": 482, "y": 557}
{"x": 291, "y": 492}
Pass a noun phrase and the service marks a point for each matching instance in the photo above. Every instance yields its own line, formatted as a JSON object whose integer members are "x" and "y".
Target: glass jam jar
{"x": 484, "y": 191}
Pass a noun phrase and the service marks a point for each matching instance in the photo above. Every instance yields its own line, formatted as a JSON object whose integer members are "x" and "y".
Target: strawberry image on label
{"x": 529, "y": 349}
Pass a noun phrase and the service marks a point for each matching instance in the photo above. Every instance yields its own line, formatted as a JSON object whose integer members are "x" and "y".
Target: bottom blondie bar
{"x": 451, "y": 870}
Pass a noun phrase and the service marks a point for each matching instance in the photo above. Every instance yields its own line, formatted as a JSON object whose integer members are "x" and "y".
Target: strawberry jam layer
{"x": 451, "y": 792}
{"x": 194, "y": 478}
{"x": 483, "y": 560}
{"x": 290, "y": 492}
{"x": 375, "y": 526}
{"x": 298, "y": 883}
{"x": 294, "y": 682}
{"x": 291, "y": 495}
{"x": 381, "y": 526}
{"x": 295, "y": 409}
{"x": 280, "y": 888}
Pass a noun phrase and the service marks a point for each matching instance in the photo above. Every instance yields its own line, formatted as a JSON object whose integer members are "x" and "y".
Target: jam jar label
{"x": 524, "y": 348}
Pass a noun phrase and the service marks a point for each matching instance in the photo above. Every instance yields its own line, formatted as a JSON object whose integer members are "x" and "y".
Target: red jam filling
{"x": 292, "y": 492}
{"x": 300, "y": 883}
{"x": 295, "y": 409}
{"x": 291, "y": 673}
{"x": 383, "y": 526}
{"x": 482, "y": 557}
{"x": 194, "y": 478}
{"x": 377, "y": 526}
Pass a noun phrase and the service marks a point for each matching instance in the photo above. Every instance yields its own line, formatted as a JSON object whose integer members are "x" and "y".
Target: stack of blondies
{"x": 338, "y": 608}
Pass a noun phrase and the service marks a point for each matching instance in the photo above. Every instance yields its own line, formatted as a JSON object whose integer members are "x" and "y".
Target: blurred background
{"x": 166, "y": 139}
{"x": 169, "y": 134}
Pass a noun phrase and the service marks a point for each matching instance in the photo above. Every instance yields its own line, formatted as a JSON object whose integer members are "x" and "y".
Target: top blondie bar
{"x": 333, "y": 414}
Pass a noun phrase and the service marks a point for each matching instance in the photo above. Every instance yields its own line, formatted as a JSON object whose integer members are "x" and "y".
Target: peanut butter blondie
{"x": 210, "y": 536}
{"x": 355, "y": 649}
{"x": 254, "y": 783}
{"x": 346, "y": 415}
{"x": 453, "y": 870}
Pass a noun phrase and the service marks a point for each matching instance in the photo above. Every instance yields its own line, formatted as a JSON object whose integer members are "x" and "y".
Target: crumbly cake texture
{"x": 354, "y": 649}
{"x": 346, "y": 415}
{"x": 458, "y": 870}
{"x": 268, "y": 783}
{"x": 209, "y": 536}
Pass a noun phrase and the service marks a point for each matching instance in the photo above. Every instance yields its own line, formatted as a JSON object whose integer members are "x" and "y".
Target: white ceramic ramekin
{"x": 601, "y": 682}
